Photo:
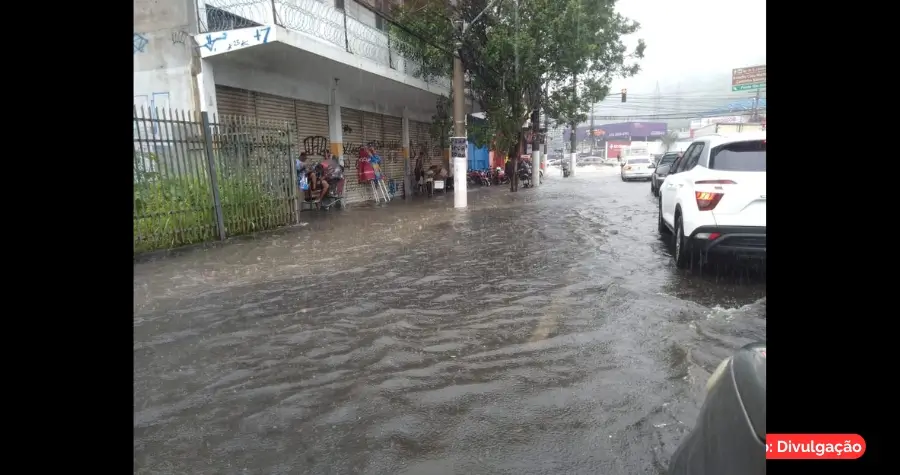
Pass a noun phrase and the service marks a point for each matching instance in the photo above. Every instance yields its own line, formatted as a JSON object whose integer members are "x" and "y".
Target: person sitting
{"x": 328, "y": 171}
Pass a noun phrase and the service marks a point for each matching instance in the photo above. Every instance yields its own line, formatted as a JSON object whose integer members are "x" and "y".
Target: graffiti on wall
{"x": 180, "y": 37}
{"x": 315, "y": 145}
{"x": 140, "y": 43}
{"x": 391, "y": 150}
{"x": 231, "y": 40}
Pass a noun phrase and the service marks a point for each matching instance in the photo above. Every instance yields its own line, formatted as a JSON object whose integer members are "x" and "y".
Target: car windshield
{"x": 638, "y": 161}
{"x": 749, "y": 156}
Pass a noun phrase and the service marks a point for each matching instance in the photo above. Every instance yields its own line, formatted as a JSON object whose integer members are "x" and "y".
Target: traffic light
{"x": 624, "y": 95}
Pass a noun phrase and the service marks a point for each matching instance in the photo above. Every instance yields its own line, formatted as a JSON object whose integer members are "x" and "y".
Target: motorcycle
{"x": 524, "y": 173}
{"x": 730, "y": 434}
{"x": 499, "y": 177}
{"x": 479, "y": 177}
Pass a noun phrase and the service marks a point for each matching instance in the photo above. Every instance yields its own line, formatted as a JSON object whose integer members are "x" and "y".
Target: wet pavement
{"x": 541, "y": 332}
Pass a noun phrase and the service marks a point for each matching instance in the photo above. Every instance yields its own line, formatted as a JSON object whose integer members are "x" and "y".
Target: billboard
{"x": 745, "y": 79}
{"x": 614, "y": 148}
{"x": 620, "y": 131}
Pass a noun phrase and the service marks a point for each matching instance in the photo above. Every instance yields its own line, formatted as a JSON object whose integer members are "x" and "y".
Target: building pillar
{"x": 205, "y": 90}
{"x": 404, "y": 144}
{"x": 336, "y": 127}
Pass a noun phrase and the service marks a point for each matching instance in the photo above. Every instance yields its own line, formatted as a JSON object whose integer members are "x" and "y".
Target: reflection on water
{"x": 541, "y": 332}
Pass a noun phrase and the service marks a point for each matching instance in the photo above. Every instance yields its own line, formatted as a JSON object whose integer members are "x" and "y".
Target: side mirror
{"x": 652, "y": 165}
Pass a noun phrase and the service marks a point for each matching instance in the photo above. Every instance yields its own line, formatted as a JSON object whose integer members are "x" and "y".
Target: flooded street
{"x": 541, "y": 332}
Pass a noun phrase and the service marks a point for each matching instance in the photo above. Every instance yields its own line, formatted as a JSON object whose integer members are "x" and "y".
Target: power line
{"x": 666, "y": 117}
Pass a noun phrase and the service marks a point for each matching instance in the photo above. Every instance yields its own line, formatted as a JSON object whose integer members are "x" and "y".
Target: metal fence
{"x": 197, "y": 179}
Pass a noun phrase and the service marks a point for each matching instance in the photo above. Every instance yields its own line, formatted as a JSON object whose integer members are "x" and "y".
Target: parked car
{"x": 661, "y": 170}
{"x": 714, "y": 198}
{"x": 637, "y": 169}
{"x": 588, "y": 160}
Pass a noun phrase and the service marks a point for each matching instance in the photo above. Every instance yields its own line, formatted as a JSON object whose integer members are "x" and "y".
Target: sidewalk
{"x": 357, "y": 218}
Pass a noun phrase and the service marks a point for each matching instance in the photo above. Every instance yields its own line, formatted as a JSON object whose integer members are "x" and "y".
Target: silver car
{"x": 637, "y": 169}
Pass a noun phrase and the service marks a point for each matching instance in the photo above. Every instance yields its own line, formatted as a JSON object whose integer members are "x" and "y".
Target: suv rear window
{"x": 638, "y": 161}
{"x": 749, "y": 156}
{"x": 668, "y": 158}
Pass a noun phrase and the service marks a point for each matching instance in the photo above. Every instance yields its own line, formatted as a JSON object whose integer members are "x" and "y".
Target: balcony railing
{"x": 317, "y": 19}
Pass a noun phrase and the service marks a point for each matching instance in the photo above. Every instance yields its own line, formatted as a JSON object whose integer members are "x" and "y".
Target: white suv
{"x": 714, "y": 198}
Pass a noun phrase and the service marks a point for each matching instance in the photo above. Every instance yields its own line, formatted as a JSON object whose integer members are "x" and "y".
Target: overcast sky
{"x": 692, "y": 46}
{"x": 695, "y": 43}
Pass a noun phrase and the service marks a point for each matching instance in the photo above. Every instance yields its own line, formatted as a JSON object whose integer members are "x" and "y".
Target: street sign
{"x": 747, "y": 87}
{"x": 748, "y": 79}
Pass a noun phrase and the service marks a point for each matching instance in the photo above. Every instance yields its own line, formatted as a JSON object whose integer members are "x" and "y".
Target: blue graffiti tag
{"x": 139, "y": 43}
{"x": 211, "y": 42}
{"x": 265, "y": 34}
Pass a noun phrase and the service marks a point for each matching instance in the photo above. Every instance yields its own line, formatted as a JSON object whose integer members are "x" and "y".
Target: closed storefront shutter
{"x": 354, "y": 138}
{"x": 308, "y": 121}
{"x": 312, "y": 127}
{"x": 392, "y": 151}
{"x": 425, "y": 143}
{"x": 417, "y": 143}
{"x": 234, "y": 102}
{"x": 373, "y": 129}
{"x": 275, "y": 110}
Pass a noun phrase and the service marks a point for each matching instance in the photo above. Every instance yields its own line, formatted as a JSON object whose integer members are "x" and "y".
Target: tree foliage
{"x": 521, "y": 55}
{"x": 442, "y": 120}
{"x": 669, "y": 139}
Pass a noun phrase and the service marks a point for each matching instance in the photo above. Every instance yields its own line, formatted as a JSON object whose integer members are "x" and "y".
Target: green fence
{"x": 197, "y": 179}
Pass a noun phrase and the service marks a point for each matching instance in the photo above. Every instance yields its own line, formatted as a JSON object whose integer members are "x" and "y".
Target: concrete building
{"x": 327, "y": 66}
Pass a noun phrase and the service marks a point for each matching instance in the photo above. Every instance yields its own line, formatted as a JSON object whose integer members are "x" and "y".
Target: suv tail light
{"x": 715, "y": 182}
{"x": 628, "y": 167}
{"x": 707, "y": 201}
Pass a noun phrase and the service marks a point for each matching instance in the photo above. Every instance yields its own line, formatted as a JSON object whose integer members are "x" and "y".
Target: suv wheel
{"x": 681, "y": 253}
{"x": 660, "y": 224}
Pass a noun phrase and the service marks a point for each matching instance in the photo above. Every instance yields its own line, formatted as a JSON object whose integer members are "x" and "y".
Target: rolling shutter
{"x": 392, "y": 131}
{"x": 425, "y": 143}
{"x": 275, "y": 110}
{"x": 312, "y": 127}
{"x": 354, "y": 138}
{"x": 308, "y": 121}
{"x": 234, "y": 102}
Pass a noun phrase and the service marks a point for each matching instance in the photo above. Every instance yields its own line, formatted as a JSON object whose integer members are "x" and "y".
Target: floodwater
{"x": 540, "y": 332}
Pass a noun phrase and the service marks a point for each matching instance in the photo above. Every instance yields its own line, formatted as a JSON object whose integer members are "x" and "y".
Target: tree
{"x": 592, "y": 55}
{"x": 516, "y": 52}
{"x": 669, "y": 139}
{"x": 442, "y": 121}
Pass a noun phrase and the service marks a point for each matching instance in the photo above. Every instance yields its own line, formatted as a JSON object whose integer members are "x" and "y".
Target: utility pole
{"x": 536, "y": 147}
{"x": 459, "y": 143}
{"x": 591, "y": 134}
{"x": 657, "y": 96}
{"x": 755, "y": 116}
{"x": 573, "y": 137}
{"x": 459, "y": 147}
{"x": 678, "y": 99}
